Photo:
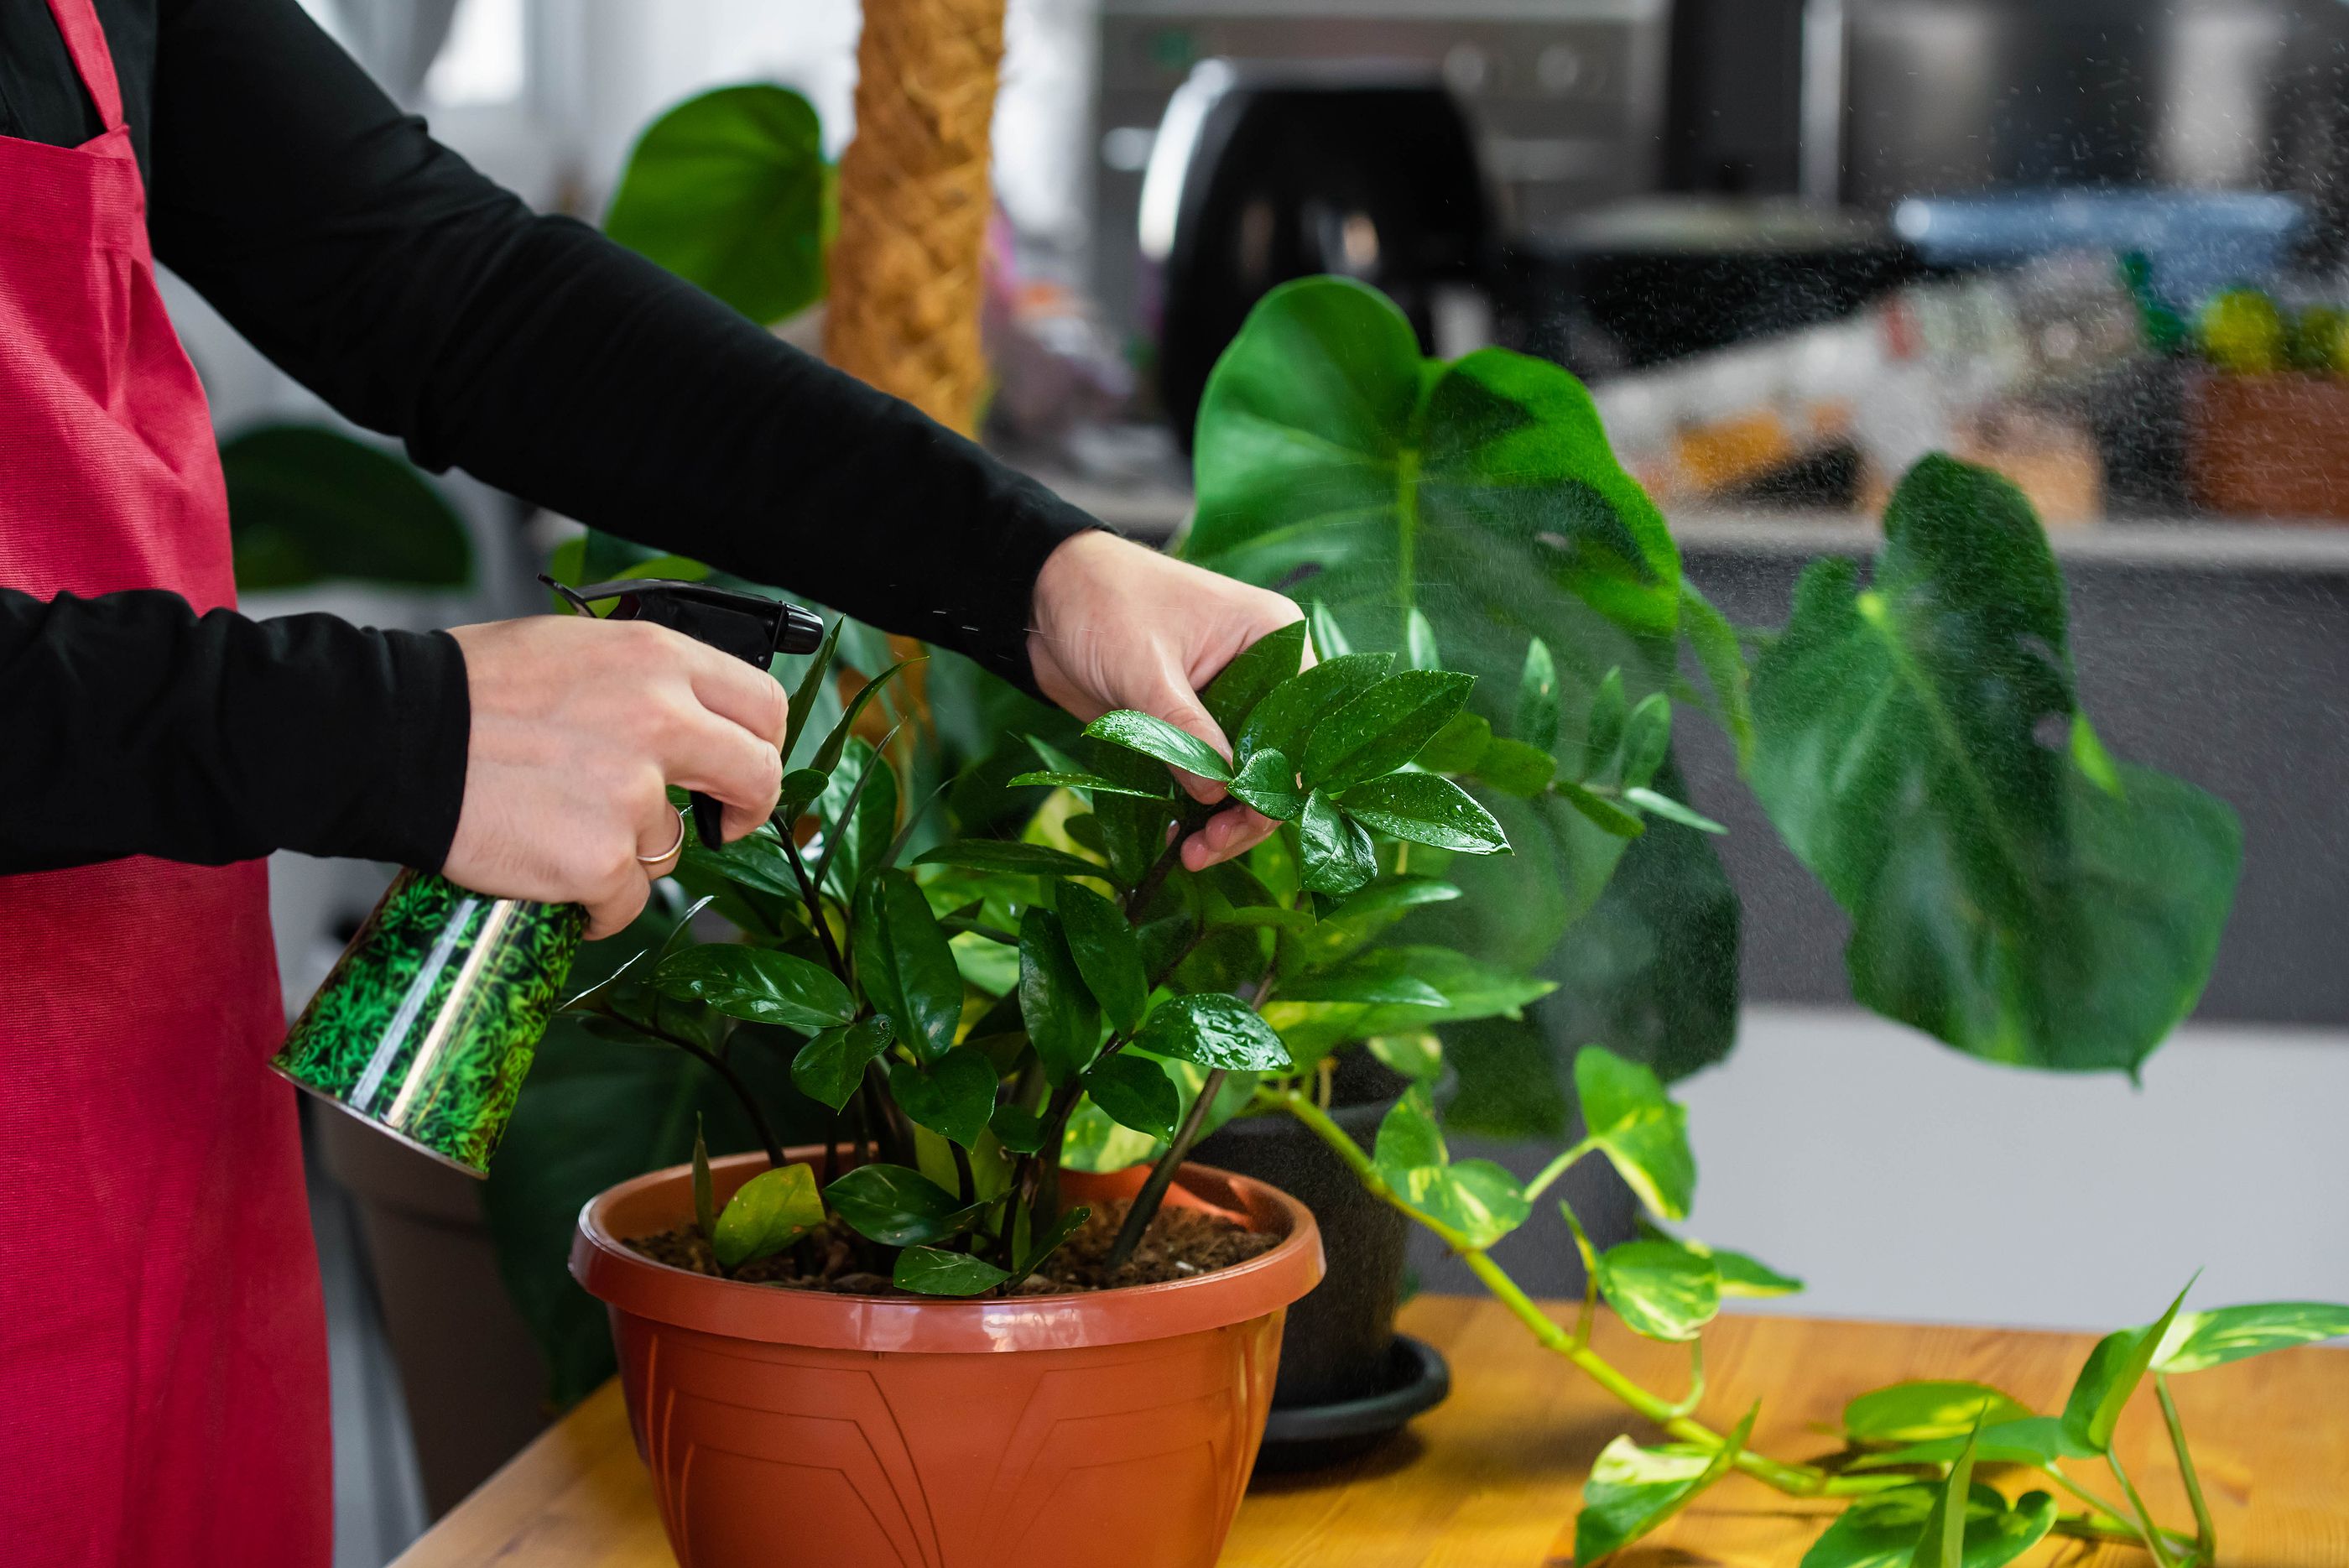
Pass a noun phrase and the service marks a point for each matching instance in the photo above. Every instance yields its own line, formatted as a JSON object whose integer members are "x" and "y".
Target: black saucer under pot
{"x": 1345, "y": 1380}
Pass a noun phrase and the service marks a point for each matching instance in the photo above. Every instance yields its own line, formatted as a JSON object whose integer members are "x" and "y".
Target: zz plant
{"x": 975, "y": 1014}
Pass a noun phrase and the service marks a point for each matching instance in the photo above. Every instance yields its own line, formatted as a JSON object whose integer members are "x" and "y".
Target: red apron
{"x": 162, "y": 1349}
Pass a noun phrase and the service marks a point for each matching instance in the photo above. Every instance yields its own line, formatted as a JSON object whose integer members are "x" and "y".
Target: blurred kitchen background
{"x": 1791, "y": 247}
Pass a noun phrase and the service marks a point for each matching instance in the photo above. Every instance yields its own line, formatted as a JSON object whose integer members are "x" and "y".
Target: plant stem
{"x": 1555, "y": 1168}
{"x": 1798, "y": 1480}
{"x": 813, "y": 898}
{"x": 2102, "y": 1506}
{"x": 732, "y": 1079}
{"x": 2147, "y": 1530}
{"x": 965, "y": 1188}
{"x": 1145, "y": 1207}
{"x": 1168, "y": 859}
{"x": 2206, "y": 1532}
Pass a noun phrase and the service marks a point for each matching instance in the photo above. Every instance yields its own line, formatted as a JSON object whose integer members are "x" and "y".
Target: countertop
{"x": 1491, "y": 1478}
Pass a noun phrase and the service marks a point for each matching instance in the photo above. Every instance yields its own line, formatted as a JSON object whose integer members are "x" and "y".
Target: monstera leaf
{"x": 1334, "y": 461}
{"x": 1482, "y": 491}
{"x": 2013, "y": 891}
{"x": 731, "y": 191}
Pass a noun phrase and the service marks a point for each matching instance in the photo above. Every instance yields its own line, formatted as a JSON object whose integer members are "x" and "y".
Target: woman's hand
{"x": 578, "y": 727}
{"x": 1119, "y": 626}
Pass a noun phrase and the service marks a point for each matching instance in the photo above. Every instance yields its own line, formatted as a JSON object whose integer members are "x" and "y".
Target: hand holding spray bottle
{"x": 428, "y": 1023}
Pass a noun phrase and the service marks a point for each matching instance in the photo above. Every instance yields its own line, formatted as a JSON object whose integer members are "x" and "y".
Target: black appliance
{"x": 1261, "y": 175}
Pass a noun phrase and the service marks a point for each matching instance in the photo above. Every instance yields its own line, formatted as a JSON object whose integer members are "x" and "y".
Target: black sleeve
{"x": 424, "y": 301}
{"x": 138, "y": 727}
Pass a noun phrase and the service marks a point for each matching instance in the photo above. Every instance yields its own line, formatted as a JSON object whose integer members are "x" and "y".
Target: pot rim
{"x": 629, "y": 1281}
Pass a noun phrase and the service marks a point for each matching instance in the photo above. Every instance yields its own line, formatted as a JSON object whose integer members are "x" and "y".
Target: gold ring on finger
{"x": 671, "y": 852}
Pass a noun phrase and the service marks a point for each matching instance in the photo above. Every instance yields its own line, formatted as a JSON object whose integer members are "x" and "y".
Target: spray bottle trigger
{"x": 709, "y": 821}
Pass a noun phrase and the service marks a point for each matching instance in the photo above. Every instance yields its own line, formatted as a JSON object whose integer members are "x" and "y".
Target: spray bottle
{"x": 427, "y": 1024}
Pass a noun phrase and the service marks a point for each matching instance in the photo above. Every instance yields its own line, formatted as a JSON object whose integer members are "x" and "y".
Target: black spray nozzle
{"x": 751, "y": 627}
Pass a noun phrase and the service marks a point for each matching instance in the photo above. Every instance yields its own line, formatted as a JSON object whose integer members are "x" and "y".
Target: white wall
{"x": 1904, "y": 1180}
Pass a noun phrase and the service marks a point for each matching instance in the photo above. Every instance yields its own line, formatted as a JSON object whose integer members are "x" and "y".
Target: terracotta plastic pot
{"x": 896, "y": 1432}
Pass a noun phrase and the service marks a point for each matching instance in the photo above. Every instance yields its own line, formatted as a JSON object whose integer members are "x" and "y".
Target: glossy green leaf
{"x": 1099, "y": 1142}
{"x": 829, "y": 1067}
{"x": 1471, "y": 989}
{"x": 1886, "y": 1530}
{"x": 1536, "y": 710}
{"x": 1337, "y": 854}
{"x": 1419, "y": 650}
{"x": 766, "y": 1214}
{"x": 809, "y": 692}
{"x": 858, "y": 810}
{"x": 1660, "y": 1289}
{"x": 1426, "y": 809}
{"x": 1600, "y": 812}
{"x": 1418, "y": 1057}
{"x": 1458, "y": 747}
{"x": 1381, "y": 975}
{"x": 1383, "y": 727}
{"x": 1670, "y": 810}
{"x": 2031, "y": 1441}
{"x": 307, "y": 505}
{"x": 757, "y": 984}
{"x": 1005, "y": 856}
{"x": 1216, "y": 1031}
{"x": 2113, "y": 1371}
{"x": 1264, "y": 664}
{"x": 932, "y": 1272}
{"x": 801, "y": 788}
{"x": 953, "y": 1096}
{"x": 1482, "y": 491}
{"x": 1267, "y": 782}
{"x": 705, "y": 1198}
{"x": 1155, "y": 737}
{"x": 1921, "y": 1411}
{"x": 1632, "y": 1490}
{"x": 1016, "y": 1128}
{"x": 2004, "y": 900}
{"x": 1135, "y": 1091}
{"x": 1646, "y": 737}
{"x": 1642, "y": 1133}
{"x": 1474, "y": 1197}
{"x": 2198, "y": 1341}
{"x": 754, "y": 860}
{"x": 1085, "y": 781}
{"x": 1721, "y": 658}
{"x": 1050, "y": 1242}
{"x": 827, "y": 755}
{"x": 904, "y": 964}
{"x": 1108, "y": 953}
{"x": 730, "y": 191}
{"x": 1943, "y": 1542}
{"x": 897, "y": 1207}
{"x": 1602, "y": 730}
{"x": 1284, "y": 721}
{"x": 1744, "y": 1276}
{"x": 1367, "y": 914}
{"x": 1064, "y": 1021}
{"x": 1329, "y": 641}
{"x": 1513, "y": 767}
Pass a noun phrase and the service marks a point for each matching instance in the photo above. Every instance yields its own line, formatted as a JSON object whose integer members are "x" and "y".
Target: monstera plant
{"x": 2015, "y": 890}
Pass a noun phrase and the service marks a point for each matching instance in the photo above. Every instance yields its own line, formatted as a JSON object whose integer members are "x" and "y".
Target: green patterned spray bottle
{"x": 428, "y": 1023}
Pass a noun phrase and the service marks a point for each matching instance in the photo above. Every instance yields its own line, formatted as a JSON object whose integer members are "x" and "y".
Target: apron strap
{"x": 86, "y": 41}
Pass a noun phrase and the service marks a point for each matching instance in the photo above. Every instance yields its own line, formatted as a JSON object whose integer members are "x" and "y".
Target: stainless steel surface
{"x": 1954, "y": 96}
{"x": 1566, "y": 95}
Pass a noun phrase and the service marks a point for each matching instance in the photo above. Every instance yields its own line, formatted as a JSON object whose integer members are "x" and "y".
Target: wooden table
{"x": 1491, "y": 1479}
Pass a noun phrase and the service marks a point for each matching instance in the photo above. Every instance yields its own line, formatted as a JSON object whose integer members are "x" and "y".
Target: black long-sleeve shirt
{"x": 422, "y": 300}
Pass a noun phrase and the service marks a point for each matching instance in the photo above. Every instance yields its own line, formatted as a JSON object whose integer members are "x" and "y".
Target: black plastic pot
{"x": 1342, "y": 1386}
